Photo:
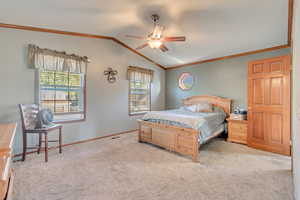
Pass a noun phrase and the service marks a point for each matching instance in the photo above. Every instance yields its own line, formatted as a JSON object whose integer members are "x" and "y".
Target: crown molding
{"x": 228, "y": 57}
{"x": 138, "y": 53}
{"x": 37, "y": 29}
{"x": 55, "y": 31}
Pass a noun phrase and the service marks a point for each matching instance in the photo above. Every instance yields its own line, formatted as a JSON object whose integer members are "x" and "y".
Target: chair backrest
{"x": 28, "y": 115}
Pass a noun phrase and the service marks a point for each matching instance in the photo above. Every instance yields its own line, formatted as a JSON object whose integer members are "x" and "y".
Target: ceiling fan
{"x": 155, "y": 40}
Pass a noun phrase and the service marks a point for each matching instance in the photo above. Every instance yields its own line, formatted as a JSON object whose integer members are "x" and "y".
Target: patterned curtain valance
{"x": 140, "y": 74}
{"x": 52, "y": 60}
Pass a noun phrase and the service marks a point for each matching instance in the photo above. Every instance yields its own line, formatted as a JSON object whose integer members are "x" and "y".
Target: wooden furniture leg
{"x": 24, "y": 146}
{"x": 40, "y": 143}
{"x": 60, "y": 141}
{"x": 195, "y": 157}
{"x": 140, "y": 132}
{"x": 46, "y": 147}
{"x": 196, "y": 151}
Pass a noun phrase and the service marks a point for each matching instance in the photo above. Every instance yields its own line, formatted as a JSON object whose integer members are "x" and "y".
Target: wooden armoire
{"x": 269, "y": 107}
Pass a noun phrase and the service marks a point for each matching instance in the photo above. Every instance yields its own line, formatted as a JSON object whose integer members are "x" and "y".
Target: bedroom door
{"x": 269, "y": 105}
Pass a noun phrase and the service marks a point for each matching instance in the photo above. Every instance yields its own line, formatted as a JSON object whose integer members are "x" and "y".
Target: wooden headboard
{"x": 220, "y": 102}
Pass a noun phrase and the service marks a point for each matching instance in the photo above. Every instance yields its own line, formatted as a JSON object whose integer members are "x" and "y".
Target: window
{"x": 139, "y": 90}
{"x": 63, "y": 93}
{"x": 61, "y": 81}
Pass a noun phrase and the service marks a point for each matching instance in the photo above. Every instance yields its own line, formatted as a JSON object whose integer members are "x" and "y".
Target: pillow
{"x": 192, "y": 108}
{"x": 201, "y": 107}
{"x": 204, "y": 107}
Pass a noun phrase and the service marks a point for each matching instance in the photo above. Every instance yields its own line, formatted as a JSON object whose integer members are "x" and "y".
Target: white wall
{"x": 296, "y": 99}
{"x": 107, "y": 104}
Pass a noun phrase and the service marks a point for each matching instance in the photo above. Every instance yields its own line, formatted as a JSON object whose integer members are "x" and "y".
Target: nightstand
{"x": 237, "y": 131}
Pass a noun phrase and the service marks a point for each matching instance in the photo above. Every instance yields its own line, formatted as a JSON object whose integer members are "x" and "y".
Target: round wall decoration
{"x": 185, "y": 81}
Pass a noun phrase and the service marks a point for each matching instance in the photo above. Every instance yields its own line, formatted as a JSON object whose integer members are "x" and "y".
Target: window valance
{"x": 52, "y": 60}
{"x": 140, "y": 74}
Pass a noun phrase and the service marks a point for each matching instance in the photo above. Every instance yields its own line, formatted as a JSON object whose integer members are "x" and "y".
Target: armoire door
{"x": 269, "y": 105}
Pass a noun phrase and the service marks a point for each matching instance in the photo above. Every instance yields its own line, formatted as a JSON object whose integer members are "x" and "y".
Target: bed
{"x": 183, "y": 131}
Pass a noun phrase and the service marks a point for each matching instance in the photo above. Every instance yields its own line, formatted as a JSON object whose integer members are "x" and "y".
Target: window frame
{"x": 141, "y": 112}
{"x": 38, "y": 100}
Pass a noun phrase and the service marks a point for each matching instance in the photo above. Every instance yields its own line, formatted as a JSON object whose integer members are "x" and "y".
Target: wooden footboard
{"x": 180, "y": 140}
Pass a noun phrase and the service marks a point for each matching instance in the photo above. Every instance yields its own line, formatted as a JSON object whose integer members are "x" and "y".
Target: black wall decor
{"x": 110, "y": 73}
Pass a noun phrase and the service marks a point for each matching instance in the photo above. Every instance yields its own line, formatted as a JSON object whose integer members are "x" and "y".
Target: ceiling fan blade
{"x": 163, "y": 48}
{"x": 142, "y": 46}
{"x": 136, "y": 37}
{"x": 173, "y": 39}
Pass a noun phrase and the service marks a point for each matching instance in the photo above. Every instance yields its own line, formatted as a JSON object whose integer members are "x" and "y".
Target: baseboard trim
{"x": 79, "y": 142}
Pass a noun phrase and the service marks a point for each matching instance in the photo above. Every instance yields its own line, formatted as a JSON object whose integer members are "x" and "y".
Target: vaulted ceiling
{"x": 213, "y": 28}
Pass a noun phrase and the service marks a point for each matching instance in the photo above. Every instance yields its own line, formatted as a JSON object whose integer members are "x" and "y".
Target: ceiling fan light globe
{"x": 155, "y": 44}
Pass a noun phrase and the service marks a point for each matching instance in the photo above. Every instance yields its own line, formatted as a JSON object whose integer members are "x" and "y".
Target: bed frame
{"x": 173, "y": 138}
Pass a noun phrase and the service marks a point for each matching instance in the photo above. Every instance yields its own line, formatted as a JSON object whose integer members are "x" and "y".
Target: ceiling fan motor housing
{"x": 155, "y": 18}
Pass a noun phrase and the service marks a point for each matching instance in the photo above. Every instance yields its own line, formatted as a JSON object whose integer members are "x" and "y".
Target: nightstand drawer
{"x": 239, "y": 136}
{"x": 238, "y": 127}
{"x": 237, "y": 131}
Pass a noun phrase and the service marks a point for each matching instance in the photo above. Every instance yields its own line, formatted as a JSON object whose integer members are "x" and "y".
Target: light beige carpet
{"x": 121, "y": 169}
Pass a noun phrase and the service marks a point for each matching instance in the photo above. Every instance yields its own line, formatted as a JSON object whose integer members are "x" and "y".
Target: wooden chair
{"x": 28, "y": 117}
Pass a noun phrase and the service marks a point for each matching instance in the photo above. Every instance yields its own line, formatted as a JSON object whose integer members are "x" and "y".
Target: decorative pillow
{"x": 201, "y": 107}
{"x": 204, "y": 107}
{"x": 192, "y": 108}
